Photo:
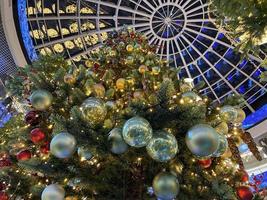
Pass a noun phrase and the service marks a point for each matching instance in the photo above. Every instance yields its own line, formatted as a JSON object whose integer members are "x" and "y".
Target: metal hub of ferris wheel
{"x": 183, "y": 30}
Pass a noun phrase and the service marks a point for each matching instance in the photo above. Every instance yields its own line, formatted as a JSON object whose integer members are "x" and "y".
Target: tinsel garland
{"x": 247, "y": 138}
{"x": 235, "y": 152}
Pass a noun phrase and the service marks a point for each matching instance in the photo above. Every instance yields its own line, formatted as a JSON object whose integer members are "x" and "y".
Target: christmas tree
{"x": 121, "y": 127}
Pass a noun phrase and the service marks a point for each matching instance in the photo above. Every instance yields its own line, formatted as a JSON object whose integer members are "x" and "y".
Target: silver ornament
{"x": 166, "y": 186}
{"x": 222, "y": 146}
{"x": 228, "y": 113}
{"x": 84, "y": 153}
{"x": 63, "y": 145}
{"x": 162, "y": 147}
{"x": 202, "y": 140}
{"x": 191, "y": 96}
{"x": 118, "y": 145}
{"x": 41, "y": 99}
{"x": 53, "y": 192}
{"x": 94, "y": 111}
{"x": 137, "y": 132}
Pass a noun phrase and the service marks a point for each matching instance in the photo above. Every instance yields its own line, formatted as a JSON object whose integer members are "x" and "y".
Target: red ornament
{"x": 96, "y": 66}
{"x": 245, "y": 176}
{"x": 244, "y": 193}
{"x": 32, "y": 118}
{"x": 44, "y": 149}
{"x": 37, "y": 135}
{"x": 205, "y": 163}
{"x": 2, "y": 186}
{"x": 4, "y": 160}
{"x": 24, "y": 155}
{"x": 3, "y": 196}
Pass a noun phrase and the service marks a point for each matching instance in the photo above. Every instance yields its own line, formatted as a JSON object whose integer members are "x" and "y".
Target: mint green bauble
{"x": 41, "y": 99}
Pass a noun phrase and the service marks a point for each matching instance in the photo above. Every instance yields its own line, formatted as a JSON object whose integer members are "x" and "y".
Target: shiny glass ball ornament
{"x": 176, "y": 167}
{"x": 129, "y": 60}
{"x": 84, "y": 153}
{"x": 190, "y": 97}
{"x": 142, "y": 69}
{"x": 53, "y": 192}
{"x": 111, "y": 105}
{"x": 185, "y": 88}
{"x": 222, "y": 128}
{"x": 205, "y": 163}
{"x": 166, "y": 186}
{"x": 99, "y": 90}
{"x": 222, "y": 146}
{"x": 129, "y": 48}
{"x": 41, "y": 99}
{"x": 162, "y": 147}
{"x": 228, "y": 113}
{"x": 93, "y": 111}
{"x": 137, "y": 132}
{"x": 89, "y": 63}
{"x": 69, "y": 79}
{"x": 155, "y": 70}
{"x": 202, "y": 140}
{"x": 63, "y": 145}
{"x": 241, "y": 116}
{"x": 118, "y": 145}
{"x": 120, "y": 83}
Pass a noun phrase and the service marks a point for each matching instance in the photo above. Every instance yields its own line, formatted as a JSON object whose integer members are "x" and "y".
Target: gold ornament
{"x": 241, "y": 115}
{"x": 237, "y": 139}
{"x": 99, "y": 90}
{"x": 120, "y": 83}
{"x": 176, "y": 167}
{"x": 129, "y": 48}
{"x": 129, "y": 60}
{"x": 155, "y": 70}
{"x": 138, "y": 94}
{"x": 222, "y": 128}
{"x": 108, "y": 124}
{"x": 89, "y": 63}
{"x": 142, "y": 69}
{"x": 69, "y": 78}
{"x": 130, "y": 81}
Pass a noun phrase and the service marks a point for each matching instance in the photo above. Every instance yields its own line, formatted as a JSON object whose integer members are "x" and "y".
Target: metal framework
{"x": 183, "y": 30}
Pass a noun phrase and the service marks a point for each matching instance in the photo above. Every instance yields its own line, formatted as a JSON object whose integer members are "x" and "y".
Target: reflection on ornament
{"x": 53, "y": 191}
{"x": 155, "y": 70}
{"x": 93, "y": 111}
{"x": 222, "y": 146}
{"x": 142, "y": 69}
{"x": 222, "y": 128}
{"x": 129, "y": 48}
{"x": 99, "y": 90}
{"x": 190, "y": 97}
{"x": 137, "y": 132}
{"x": 228, "y": 113}
{"x": 185, "y": 87}
{"x": 84, "y": 153}
{"x": 202, "y": 140}
{"x": 166, "y": 186}
{"x": 63, "y": 145}
{"x": 176, "y": 167}
{"x": 162, "y": 147}
{"x": 120, "y": 83}
{"x": 241, "y": 116}
{"x": 129, "y": 60}
{"x": 118, "y": 145}
{"x": 41, "y": 99}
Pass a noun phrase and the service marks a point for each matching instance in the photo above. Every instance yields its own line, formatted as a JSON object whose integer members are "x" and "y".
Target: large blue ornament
{"x": 202, "y": 140}
{"x": 118, "y": 145}
{"x": 63, "y": 145}
{"x": 222, "y": 146}
{"x": 53, "y": 191}
{"x": 162, "y": 147}
{"x": 166, "y": 186}
{"x": 41, "y": 99}
{"x": 137, "y": 132}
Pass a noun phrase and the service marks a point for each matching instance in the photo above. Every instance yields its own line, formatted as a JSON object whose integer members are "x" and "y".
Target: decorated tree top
{"x": 121, "y": 127}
